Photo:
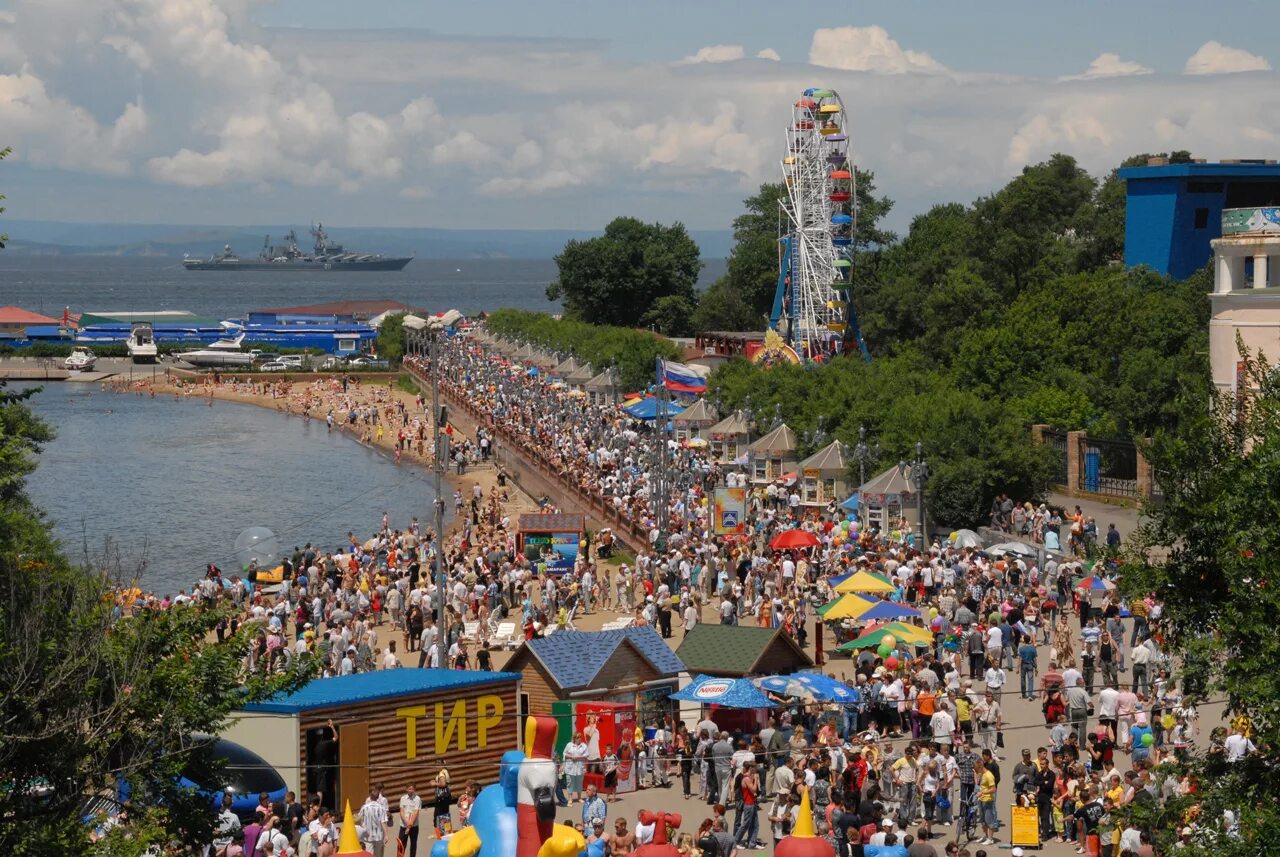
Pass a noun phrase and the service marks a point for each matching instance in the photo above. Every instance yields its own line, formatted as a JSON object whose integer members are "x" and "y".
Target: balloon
{"x": 952, "y": 537}
{"x": 891, "y": 662}
{"x": 884, "y": 651}
{"x": 1148, "y": 739}
{"x": 257, "y": 544}
{"x": 890, "y": 640}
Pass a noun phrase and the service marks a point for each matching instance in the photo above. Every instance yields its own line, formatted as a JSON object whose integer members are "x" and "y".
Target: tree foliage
{"x": 1211, "y": 553}
{"x": 633, "y": 352}
{"x": 616, "y": 278}
{"x": 390, "y": 342}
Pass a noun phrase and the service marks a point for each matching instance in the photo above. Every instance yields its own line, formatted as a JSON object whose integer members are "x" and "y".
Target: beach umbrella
{"x": 814, "y": 686}
{"x": 793, "y": 539}
{"x": 1015, "y": 548}
{"x": 847, "y": 606}
{"x": 874, "y": 639}
{"x": 864, "y": 581}
{"x": 1093, "y": 583}
{"x": 786, "y": 685}
{"x": 966, "y": 539}
{"x": 909, "y": 633}
{"x": 727, "y": 692}
{"x": 887, "y": 610}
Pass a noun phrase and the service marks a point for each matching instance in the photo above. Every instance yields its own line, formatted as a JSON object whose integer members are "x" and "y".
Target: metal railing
{"x": 1110, "y": 466}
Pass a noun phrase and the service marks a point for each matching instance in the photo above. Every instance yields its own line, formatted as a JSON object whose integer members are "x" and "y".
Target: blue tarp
{"x": 647, "y": 409}
{"x": 852, "y": 503}
{"x": 533, "y": 370}
{"x": 728, "y": 692}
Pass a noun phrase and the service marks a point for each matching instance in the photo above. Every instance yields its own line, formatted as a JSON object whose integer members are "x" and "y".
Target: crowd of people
{"x": 927, "y": 737}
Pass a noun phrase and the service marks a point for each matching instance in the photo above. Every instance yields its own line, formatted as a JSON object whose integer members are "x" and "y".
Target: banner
{"x": 1236, "y": 221}
{"x": 624, "y": 730}
{"x": 1025, "y": 829}
{"x": 730, "y": 511}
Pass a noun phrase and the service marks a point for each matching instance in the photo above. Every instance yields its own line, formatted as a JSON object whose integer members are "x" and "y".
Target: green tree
{"x": 1209, "y": 552}
{"x": 617, "y": 277}
{"x": 671, "y": 315}
{"x": 390, "y": 342}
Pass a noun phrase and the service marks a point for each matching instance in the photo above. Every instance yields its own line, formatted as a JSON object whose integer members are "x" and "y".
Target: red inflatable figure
{"x": 659, "y": 847}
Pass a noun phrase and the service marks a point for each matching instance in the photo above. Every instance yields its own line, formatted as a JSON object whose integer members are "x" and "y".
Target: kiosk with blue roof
{"x": 395, "y": 727}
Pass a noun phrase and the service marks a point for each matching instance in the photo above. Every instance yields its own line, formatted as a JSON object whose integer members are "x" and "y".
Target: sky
{"x": 558, "y": 114}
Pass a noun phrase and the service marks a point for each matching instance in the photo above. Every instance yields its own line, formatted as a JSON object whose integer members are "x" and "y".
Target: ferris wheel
{"x": 811, "y": 305}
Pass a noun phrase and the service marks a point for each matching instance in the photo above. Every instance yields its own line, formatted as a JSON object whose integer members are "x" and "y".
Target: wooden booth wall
{"x": 408, "y": 739}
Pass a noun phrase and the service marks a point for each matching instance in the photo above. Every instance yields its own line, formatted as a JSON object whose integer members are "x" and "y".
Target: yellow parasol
{"x": 863, "y": 582}
{"x": 849, "y": 606}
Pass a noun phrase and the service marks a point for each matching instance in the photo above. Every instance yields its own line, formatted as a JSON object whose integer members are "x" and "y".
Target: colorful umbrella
{"x": 1096, "y": 584}
{"x": 808, "y": 686}
{"x": 793, "y": 539}
{"x": 848, "y": 606}
{"x": 910, "y": 633}
{"x": 864, "y": 582}
{"x": 727, "y": 692}
{"x": 875, "y": 638}
{"x": 886, "y": 610}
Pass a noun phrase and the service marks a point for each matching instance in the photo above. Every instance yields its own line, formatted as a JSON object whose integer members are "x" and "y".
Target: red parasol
{"x": 793, "y": 539}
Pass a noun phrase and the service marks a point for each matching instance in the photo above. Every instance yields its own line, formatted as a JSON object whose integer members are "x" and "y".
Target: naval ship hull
{"x": 388, "y": 264}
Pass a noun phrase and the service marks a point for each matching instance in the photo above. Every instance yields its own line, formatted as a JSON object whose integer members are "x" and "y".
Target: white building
{"x": 1246, "y": 292}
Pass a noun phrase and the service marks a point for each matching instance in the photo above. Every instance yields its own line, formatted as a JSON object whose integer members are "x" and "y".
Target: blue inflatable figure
{"x": 493, "y": 818}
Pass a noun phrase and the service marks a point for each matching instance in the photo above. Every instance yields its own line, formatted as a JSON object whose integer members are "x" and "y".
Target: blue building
{"x": 1173, "y": 211}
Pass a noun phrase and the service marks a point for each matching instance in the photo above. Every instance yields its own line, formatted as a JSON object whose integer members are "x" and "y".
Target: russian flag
{"x": 681, "y": 377}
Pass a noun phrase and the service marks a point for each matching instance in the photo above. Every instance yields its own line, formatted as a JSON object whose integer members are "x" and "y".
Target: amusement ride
{"x": 812, "y": 312}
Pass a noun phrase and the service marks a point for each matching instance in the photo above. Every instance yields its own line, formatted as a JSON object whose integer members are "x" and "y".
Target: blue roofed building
{"x": 1173, "y": 211}
{"x": 398, "y": 727}
{"x": 626, "y": 665}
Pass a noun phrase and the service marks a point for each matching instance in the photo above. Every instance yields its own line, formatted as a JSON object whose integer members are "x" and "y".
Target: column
{"x": 1075, "y": 460}
{"x": 1145, "y": 477}
{"x": 1260, "y": 271}
{"x": 1273, "y": 275}
{"x": 1235, "y": 268}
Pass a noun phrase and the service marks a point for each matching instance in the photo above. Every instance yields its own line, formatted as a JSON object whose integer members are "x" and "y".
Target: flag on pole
{"x": 681, "y": 377}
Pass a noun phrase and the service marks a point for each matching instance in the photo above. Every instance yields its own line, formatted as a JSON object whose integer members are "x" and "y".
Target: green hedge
{"x": 634, "y": 352}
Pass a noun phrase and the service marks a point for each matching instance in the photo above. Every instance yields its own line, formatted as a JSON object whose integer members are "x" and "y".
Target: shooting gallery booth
{"x": 395, "y": 727}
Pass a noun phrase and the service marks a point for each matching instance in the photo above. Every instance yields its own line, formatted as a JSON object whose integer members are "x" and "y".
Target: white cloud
{"x": 1110, "y": 65}
{"x": 1216, "y": 58}
{"x": 717, "y": 53}
{"x": 867, "y": 49}
{"x": 561, "y": 131}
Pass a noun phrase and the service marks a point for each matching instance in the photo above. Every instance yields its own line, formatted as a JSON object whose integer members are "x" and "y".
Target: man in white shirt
{"x": 271, "y": 833}
{"x": 1237, "y": 746}
{"x": 389, "y": 660}
{"x": 410, "y": 807}
{"x": 373, "y": 818}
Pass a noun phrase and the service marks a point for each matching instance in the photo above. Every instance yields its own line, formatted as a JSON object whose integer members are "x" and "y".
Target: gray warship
{"x": 325, "y": 255}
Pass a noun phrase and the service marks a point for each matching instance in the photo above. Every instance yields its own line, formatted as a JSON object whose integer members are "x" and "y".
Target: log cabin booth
{"x": 628, "y": 665}
{"x": 729, "y": 439}
{"x": 774, "y": 456}
{"x": 395, "y": 727}
{"x": 824, "y": 476}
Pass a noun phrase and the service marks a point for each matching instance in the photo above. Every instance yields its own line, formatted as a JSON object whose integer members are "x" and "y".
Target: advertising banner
{"x": 1025, "y": 830}
{"x": 556, "y": 552}
{"x": 730, "y": 511}
{"x": 624, "y": 728}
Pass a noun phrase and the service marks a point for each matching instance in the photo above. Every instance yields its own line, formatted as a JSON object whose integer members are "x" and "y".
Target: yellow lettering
{"x": 457, "y": 722}
{"x": 411, "y": 715}
{"x": 488, "y": 715}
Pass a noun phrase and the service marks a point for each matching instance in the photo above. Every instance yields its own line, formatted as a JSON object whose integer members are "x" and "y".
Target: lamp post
{"x": 431, "y": 330}
{"x": 862, "y": 453}
{"x": 919, "y": 475}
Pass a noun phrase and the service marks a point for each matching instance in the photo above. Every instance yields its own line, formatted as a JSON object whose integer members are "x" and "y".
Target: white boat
{"x": 81, "y": 359}
{"x": 142, "y": 343}
{"x": 223, "y": 352}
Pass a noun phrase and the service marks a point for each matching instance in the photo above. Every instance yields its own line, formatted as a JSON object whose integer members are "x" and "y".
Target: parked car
{"x": 276, "y": 366}
{"x": 364, "y": 362}
{"x": 293, "y": 360}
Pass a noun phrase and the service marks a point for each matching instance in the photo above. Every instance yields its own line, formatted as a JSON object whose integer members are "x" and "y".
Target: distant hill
{"x": 39, "y": 237}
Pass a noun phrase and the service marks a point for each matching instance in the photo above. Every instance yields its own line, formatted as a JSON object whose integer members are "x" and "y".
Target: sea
{"x": 155, "y": 489}
{"x": 47, "y": 284}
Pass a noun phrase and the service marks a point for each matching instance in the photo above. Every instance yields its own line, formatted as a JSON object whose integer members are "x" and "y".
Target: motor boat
{"x": 142, "y": 343}
{"x": 81, "y": 359}
{"x": 223, "y": 352}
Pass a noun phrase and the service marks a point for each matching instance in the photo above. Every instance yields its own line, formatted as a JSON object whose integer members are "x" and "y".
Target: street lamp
{"x": 863, "y": 454}
{"x": 919, "y": 475}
